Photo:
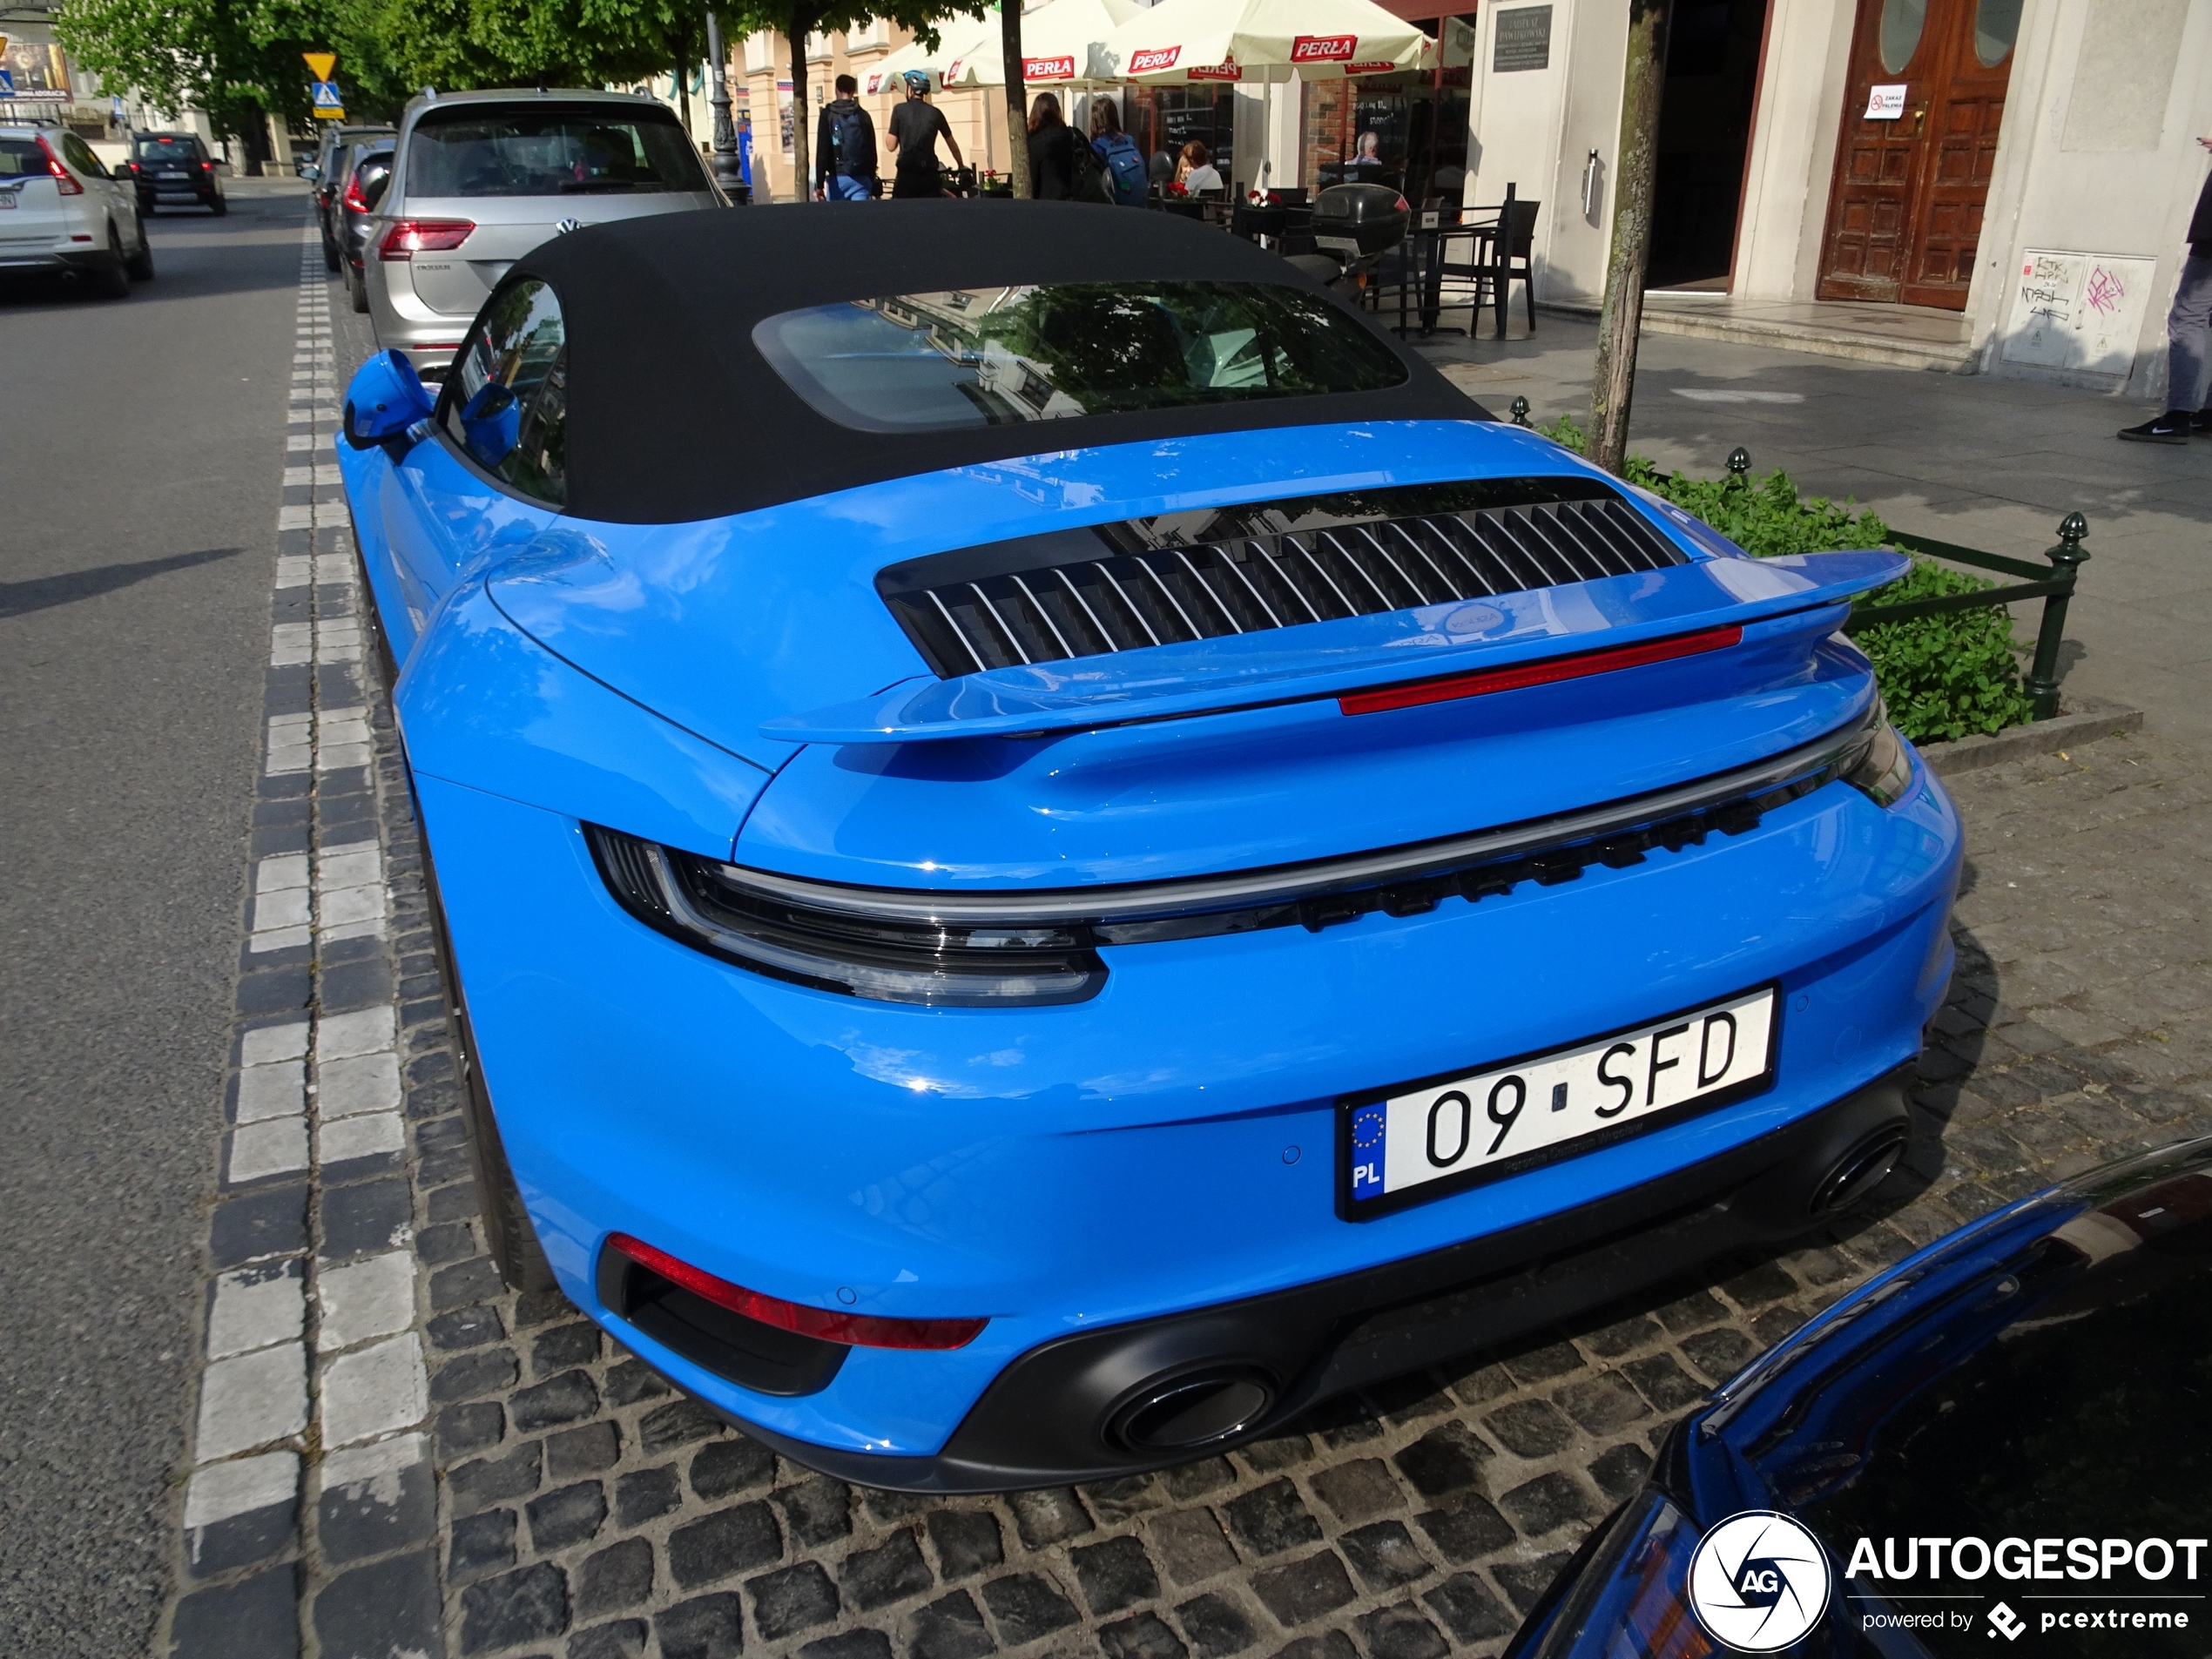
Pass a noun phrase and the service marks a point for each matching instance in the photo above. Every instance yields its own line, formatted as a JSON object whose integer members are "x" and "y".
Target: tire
{"x": 330, "y": 260}
{"x": 357, "y": 289}
{"x": 140, "y": 264}
{"x": 219, "y": 207}
{"x": 114, "y": 281}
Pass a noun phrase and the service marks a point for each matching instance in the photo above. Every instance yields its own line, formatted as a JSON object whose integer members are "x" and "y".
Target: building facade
{"x": 2027, "y": 164}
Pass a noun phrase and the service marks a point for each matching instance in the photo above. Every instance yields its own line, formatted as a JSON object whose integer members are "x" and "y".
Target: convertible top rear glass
{"x": 1000, "y": 356}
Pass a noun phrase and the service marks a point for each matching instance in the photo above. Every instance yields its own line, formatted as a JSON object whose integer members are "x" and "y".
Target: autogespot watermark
{"x": 1760, "y": 1581}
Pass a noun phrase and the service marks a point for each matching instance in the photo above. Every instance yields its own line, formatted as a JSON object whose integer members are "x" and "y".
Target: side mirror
{"x": 386, "y": 398}
{"x": 309, "y": 171}
{"x": 491, "y": 420}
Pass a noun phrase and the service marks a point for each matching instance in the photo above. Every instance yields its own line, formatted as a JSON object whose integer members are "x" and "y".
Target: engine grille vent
{"x": 1087, "y": 594}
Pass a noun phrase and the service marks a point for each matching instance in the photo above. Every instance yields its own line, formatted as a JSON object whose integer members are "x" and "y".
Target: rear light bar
{"x": 408, "y": 237}
{"x": 64, "y": 180}
{"x": 851, "y": 1330}
{"x": 1548, "y": 673}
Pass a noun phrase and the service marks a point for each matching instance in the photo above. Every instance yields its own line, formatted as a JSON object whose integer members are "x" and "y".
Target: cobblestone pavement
{"x": 580, "y": 1509}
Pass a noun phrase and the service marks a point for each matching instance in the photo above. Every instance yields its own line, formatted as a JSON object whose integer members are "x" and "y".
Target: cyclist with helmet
{"x": 915, "y": 127}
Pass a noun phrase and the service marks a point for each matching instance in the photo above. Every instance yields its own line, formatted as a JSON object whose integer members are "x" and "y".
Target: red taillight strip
{"x": 65, "y": 181}
{"x": 1547, "y": 672}
{"x": 854, "y": 1330}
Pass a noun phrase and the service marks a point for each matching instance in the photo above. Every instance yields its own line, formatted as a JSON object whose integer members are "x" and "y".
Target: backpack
{"x": 1125, "y": 164}
{"x": 852, "y": 144}
{"x": 1092, "y": 183}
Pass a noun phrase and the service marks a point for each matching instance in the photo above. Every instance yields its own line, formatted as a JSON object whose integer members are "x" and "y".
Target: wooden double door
{"x": 1905, "y": 207}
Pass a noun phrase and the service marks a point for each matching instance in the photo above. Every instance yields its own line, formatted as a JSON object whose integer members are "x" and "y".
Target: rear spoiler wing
{"x": 1355, "y": 654}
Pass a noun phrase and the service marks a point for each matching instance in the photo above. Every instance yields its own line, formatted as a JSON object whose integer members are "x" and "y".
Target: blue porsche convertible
{"x": 1052, "y": 850}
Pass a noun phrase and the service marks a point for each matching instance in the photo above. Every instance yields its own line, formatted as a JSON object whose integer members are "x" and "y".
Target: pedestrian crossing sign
{"x": 328, "y": 106}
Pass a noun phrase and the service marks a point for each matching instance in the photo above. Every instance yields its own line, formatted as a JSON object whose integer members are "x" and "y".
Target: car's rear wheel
{"x": 219, "y": 207}
{"x": 329, "y": 253}
{"x": 357, "y": 289}
{"x": 140, "y": 264}
{"x": 113, "y": 281}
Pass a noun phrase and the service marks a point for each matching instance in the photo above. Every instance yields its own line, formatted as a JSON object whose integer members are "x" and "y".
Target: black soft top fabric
{"x": 675, "y": 416}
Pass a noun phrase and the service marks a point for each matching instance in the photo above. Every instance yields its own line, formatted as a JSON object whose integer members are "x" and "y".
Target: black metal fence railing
{"x": 2053, "y": 586}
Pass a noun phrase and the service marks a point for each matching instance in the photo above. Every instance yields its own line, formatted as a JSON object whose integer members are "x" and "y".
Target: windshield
{"x": 922, "y": 362}
{"x": 541, "y": 150}
{"x": 168, "y": 149}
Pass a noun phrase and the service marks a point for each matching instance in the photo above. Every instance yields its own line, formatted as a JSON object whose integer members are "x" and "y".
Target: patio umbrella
{"x": 1061, "y": 40}
{"x": 958, "y": 36}
{"x": 1227, "y": 40}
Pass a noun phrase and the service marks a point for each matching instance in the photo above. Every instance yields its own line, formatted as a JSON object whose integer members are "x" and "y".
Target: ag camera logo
{"x": 1758, "y": 1581}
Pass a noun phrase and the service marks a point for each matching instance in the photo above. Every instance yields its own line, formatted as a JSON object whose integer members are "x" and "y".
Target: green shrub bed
{"x": 1944, "y": 677}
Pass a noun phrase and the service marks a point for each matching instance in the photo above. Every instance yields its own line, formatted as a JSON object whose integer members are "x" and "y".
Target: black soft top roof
{"x": 674, "y": 415}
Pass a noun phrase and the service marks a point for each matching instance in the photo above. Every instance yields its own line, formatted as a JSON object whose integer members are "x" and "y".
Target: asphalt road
{"x": 141, "y": 451}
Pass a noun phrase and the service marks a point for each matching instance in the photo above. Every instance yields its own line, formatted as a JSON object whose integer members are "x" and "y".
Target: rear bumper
{"x": 63, "y": 258}
{"x": 1047, "y": 1419}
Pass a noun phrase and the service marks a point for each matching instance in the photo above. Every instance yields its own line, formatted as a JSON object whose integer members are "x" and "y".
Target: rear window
{"x": 20, "y": 158}
{"x": 924, "y": 362}
{"x": 550, "y": 151}
{"x": 168, "y": 149}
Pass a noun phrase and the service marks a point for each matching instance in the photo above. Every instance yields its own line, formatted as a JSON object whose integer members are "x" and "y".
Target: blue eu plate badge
{"x": 1369, "y": 1125}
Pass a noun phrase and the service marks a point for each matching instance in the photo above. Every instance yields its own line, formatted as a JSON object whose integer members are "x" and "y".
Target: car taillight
{"x": 409, "y": 237}
{"x": 64, "y": 180}
{"x": 206, "y": 167}
{"x": 851, "y": 1330}
{"x": 352, "y": 198}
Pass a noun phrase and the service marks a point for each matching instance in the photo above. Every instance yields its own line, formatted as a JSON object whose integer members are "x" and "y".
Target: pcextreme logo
{"x": 1758, "y": 1581}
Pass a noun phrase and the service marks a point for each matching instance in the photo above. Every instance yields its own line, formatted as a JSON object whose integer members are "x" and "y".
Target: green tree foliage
{"x": 237, "y": 60}
{"x": 1944, "y": 677}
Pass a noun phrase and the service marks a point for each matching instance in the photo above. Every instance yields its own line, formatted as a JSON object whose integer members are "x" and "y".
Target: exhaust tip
{"x": 1195, "y": 1410}
{"x": 1860, "y": 1170}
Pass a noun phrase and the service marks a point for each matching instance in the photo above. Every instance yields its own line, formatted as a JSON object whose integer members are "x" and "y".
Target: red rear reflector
{"x": 1547, "y": 672}
{"x": 854, "y": 1330}
{"x": 65, "y": 181}
{"x": 409, "y": 237}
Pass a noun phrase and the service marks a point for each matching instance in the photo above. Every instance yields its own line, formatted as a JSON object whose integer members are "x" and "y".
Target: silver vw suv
{"x": 480, "y": 178}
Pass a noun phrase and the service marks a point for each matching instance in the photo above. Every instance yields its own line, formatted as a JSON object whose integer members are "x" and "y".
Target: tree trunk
{"x": 1642, "y": 86}
{"x": 1017, "y": 97}
{"x": 801, "y": 132}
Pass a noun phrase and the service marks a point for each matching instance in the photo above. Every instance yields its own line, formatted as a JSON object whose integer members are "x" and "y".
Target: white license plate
{"x": 1409, "y": 1145}
{"x": 7, "y": 199}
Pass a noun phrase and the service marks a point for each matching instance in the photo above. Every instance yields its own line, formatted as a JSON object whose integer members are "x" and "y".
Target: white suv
{"x": 60, "y": 210}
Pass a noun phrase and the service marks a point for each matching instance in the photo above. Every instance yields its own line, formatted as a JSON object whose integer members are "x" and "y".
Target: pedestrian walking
{"x": 916, "y": 125}
{"x": 1052, "y": 151}
{"x": 1118, "y": 153}
{"x": 1194, "y": 169}
{"x": 845, "y": 146}
{"x": 2188, "y": 338}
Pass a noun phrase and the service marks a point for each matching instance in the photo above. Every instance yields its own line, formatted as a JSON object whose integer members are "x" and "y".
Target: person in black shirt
{"x": 915, "y": 127}
{"x": 844, "y": 147}
{"x": 1052, "y": 152}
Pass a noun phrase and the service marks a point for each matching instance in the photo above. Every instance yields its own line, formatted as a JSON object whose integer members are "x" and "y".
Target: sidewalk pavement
{"x": 1983, "y": 463}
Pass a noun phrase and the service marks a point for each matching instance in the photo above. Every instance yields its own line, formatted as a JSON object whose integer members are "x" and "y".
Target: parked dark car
{"x": 2005, "y": 1431}
{"x": 367, "y": 169}
{"x": 174, "y": 170}
{"x": 328, "y": 176}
